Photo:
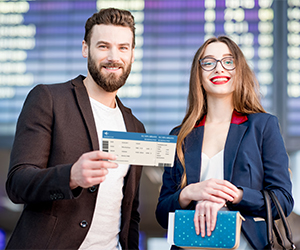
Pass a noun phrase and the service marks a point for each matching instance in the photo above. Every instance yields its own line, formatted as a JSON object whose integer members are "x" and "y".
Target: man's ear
{"x": 85, "y": 49}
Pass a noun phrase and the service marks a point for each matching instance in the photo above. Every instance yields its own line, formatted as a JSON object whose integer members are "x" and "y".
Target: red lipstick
{"x": 218, "y": 80}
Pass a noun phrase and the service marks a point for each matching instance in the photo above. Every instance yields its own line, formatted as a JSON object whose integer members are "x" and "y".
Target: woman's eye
{"x": 208, "y": 63}
{"x": 229, "y": 62}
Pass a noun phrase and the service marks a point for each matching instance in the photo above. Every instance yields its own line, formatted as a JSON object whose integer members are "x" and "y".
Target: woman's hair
{"x": 110, "y": 16}
{"x": 246, "y": 96}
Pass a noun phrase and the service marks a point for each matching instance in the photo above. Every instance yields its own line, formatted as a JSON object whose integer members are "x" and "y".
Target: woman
{"x": 228, "y": 150}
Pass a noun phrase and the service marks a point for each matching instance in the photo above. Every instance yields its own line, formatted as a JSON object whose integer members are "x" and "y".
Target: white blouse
{"x": 214, "y": 168}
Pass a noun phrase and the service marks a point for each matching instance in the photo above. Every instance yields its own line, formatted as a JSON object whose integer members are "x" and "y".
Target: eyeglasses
{"x": 209, "y": 63}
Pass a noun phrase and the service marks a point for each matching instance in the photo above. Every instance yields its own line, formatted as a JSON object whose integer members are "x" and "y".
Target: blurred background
{"x": 40, "y": 42}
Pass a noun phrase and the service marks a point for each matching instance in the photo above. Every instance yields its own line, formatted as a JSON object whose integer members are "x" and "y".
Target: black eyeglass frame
{"x": 200, "y": 60}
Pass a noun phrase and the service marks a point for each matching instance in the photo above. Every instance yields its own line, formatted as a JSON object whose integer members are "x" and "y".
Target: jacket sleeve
{"x": 169, "y": 194}
{"x": 276, "y": 174}
{"x": 30, "y": 180}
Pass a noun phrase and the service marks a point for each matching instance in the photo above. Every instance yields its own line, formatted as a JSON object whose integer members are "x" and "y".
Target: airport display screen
{"x": 40, "y": 42}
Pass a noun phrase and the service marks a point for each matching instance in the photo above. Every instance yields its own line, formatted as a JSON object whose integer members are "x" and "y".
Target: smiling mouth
{"x": 111, "y": 68}
{"x": 220, "y": 80}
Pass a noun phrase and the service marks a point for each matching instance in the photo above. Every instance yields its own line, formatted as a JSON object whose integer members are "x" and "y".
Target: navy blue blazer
{"x": 255, "y": 158}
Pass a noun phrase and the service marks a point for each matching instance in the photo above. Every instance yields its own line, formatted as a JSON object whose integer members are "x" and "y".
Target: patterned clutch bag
{"x": 225, "y": 236}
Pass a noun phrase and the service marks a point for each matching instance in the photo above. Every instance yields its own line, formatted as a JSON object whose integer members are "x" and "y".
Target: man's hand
{"x": 91, "y": 169}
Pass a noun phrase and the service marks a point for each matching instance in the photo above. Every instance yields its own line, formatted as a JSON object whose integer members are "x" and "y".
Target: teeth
{"x": 219, "y": 79}
{"x": 112, "y": 68}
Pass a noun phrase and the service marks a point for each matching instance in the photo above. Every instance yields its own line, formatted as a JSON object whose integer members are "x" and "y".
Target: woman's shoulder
{"x": 175, "y": 131}
{"x": 261, "y": 116}
{"x": 262, "y": 119}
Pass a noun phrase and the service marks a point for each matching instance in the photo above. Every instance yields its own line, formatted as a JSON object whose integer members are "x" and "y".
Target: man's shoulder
{"x": 77, "y": 82}
{"x": 59, "y": 88}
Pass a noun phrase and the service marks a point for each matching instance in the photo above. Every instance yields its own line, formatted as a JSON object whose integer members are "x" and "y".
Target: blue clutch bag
{"x": 225, "y": 236}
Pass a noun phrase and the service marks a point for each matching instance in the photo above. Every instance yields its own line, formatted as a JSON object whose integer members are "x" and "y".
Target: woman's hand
{"x": 213, "y": 190}
{"x": 206, "y": 213}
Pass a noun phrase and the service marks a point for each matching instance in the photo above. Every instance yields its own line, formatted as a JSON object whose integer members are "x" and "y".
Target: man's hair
{"x": 110, "y": 16}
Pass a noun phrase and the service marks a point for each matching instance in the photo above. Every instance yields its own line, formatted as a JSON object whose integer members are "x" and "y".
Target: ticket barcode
{"x": 105, "y": 146}
{"x": 164, "y": 165}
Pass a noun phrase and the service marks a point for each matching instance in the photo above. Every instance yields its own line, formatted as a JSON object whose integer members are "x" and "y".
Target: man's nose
{"x": 113, "y": 55}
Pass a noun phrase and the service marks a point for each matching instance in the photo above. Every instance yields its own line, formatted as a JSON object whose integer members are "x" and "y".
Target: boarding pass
{"x": 139, "y": 148}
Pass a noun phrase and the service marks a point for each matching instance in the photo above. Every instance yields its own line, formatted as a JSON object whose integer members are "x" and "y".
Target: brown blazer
{"x": 55, "y": 127}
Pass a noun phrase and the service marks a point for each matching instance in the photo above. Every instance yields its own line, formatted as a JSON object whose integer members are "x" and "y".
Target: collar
{"x": 236, "y": 118}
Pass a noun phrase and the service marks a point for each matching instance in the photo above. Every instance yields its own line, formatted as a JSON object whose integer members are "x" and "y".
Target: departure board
{"x": 292, "y": 112}
{"x": 40, "y": 42}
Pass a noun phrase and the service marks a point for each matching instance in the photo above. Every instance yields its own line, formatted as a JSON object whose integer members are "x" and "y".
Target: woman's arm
{"x": 173, "y": 197}
{"x": 276, "y": 174}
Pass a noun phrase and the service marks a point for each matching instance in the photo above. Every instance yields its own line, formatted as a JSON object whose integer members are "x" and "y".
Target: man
{"x": 56, "y": 165}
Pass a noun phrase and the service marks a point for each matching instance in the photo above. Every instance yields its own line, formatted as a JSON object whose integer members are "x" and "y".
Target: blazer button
{"x": 83, "y": 224}
{"x": 60, "y": 196}
{"x": 53, "y": 197}
{"x": 92, "y": 189}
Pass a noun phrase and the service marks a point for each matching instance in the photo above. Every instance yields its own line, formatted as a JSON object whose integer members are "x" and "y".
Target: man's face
{"x": 110, "y": 55}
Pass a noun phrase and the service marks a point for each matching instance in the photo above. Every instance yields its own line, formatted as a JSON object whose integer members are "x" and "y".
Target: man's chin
{"x": 111, "y": 88}
{"x": 111, "y": 84}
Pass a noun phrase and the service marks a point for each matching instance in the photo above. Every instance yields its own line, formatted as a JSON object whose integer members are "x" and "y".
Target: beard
{"x": 110, "y": 82}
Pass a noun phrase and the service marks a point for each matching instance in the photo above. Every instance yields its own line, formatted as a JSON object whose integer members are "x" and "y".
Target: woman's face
{"x": 218, "y": 82}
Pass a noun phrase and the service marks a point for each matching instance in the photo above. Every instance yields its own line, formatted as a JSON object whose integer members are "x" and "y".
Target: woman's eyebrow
{"x": 214, "y": 57}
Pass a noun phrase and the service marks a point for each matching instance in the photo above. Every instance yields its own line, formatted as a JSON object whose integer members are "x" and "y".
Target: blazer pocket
{"x": 33, "y": 231}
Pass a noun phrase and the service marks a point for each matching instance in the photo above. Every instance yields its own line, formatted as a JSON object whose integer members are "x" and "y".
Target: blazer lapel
{"x": 193, "y": 149}
{"x": 128, "y": 117}
{"x": 236, "y": 132}
{"x": 86, "y": 110}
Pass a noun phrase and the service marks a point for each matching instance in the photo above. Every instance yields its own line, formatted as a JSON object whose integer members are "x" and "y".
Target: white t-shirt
{"x": 105, "y": 226}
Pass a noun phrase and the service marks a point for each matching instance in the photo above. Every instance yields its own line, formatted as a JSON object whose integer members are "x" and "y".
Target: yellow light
{"x": 266, "y": 14}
